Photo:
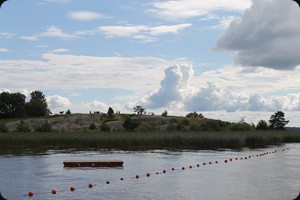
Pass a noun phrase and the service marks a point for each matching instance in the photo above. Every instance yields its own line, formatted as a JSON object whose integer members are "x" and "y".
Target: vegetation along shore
{"x": 21, "y": 127}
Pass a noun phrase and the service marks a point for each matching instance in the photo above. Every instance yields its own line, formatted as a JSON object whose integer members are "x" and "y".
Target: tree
{"x": 12, "y": 105}
{"x": 262, "y": 125}
{"x": 110, "y": 112}
{"x": 37, "y": 106}
{"x": 68, "y": 112}
{"x": 165, "y": 113}
{"x": 277, "y": 121}
{"x": 195, "y": 114}
{"x": 139, "y": 110}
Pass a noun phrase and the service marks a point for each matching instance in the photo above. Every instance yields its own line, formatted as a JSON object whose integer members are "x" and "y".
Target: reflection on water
{"x": 274, "y": 176}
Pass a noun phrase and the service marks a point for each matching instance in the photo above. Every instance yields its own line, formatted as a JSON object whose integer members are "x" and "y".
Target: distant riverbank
{"x": 148, "y": 140}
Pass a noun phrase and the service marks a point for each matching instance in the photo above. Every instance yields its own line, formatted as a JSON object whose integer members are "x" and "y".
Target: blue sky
{"x": 228, "y": 59}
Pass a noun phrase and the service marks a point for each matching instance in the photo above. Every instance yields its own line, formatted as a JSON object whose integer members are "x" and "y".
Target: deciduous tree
{"x": 277, "y": 121}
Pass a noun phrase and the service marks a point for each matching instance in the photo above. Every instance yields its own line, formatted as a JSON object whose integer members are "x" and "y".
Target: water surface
{"x": 269, "y": 177}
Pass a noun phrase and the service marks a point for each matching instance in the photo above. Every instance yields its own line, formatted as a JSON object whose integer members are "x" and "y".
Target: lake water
{"x": 274, "y": 176}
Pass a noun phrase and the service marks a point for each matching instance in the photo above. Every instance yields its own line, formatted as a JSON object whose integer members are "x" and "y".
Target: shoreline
{"x": 147, "y": 140}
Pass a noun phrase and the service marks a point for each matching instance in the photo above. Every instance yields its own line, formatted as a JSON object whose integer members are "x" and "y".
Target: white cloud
{"x": 69, "y": 71}
{"x": 56, "y": 32}
{"x": 97, "y": 105}
{"x": 59, "y": 1}
{"x": 267, "y": 35}
{"x": 145, "y": 33}
{"x": 29, "y": 38}
{"x": 85, "y": 15}
{"x": 56, "y": 102}
{"x": 176, "y": 92}
{"x": 6, "y": 35}
{"x": 4, "y": 50}
{"x": 177, "y": 77}
{"x": 122, "y": 31}
{"x": 59, "y": 50}
{"x": 182, "y": 9}
{"x": 224, "y": 22}
{"x": 170, "y": 29}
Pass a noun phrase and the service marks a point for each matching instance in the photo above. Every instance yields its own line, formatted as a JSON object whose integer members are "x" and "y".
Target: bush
{"x": 92, "y": 126}
{"x": 46, "y": 127}
{"x": 239, "y": 126}
{"x": 23, "y": 127}
{"x": 130, "y": 124}
{"x": 104, "y": 127}
{"x": 165, "y": 113}
{"x": 3, "y": 128}
{"x": 262, "y": 125}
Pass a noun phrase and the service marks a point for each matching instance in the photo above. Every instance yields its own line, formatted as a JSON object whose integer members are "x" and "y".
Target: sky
{"x": 227, "y": 59}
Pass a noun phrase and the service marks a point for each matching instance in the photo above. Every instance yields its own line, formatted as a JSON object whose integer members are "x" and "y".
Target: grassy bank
{"x": 148, "y": 140}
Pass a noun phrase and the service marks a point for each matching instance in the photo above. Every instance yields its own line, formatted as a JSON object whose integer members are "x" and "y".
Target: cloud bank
{"x": 176, "y": 92}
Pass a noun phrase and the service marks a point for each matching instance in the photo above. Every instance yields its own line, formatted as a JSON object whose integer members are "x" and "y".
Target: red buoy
{"x": 183, "y": 168}
{"x": 107, "y": 182}
{"x": 90, "y": 185}
{"x": 72, "y": 188}
{"x": 122, "y": 179}
{"x": 164, "y": 171}
{"x": 198, "y": 165}
{"x": 226, "y": 161}
{"x": 173, "y": 168}
{"x": 137, "y": 176}
{"x": 216, "y": 162}
{"x": 30, "y": 194}
{"x": 190, "y": 166}
{"x": 148, "y": 174}
{"x": 53, "y": 191}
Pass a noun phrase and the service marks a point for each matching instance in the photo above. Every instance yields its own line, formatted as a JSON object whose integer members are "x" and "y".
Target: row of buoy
{"x": 148, "y": 174}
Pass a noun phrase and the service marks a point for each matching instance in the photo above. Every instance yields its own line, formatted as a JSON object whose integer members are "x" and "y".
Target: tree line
{"x": 14, "y": 105}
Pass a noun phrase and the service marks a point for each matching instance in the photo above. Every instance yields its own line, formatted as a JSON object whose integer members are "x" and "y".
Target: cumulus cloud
{"x": 176, "y": 79}
{"x": 182, "y": 9}
{"x": 57, "y": 101}
{"x": 85, "y": 15}
{"x": 97, "y": 105}
{"x": 176, "y": 92}
{"x": 267, "y": 35}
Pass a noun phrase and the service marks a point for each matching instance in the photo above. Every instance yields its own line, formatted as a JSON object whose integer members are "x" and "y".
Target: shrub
{"x": 130, "y": 124}
{"x": 239, "y": 126}
{"x": 46, "y": 127}
{"x": 3, "y": 128}
{"x": 104, "y": 127}
{"x": 23, "y": 127}
{"x": 165, "y": 113}
{"x": 92, "y": 126}
{"x": 262, "y": 125}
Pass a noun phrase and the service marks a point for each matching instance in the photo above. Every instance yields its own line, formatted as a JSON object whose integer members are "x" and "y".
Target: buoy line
{"x": 161, "y": 172}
